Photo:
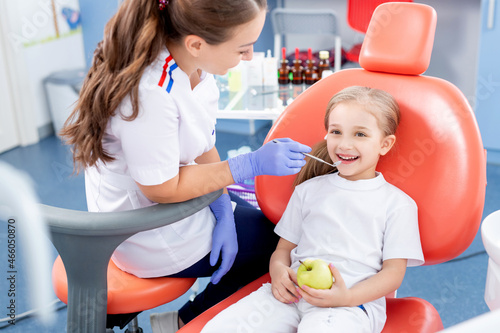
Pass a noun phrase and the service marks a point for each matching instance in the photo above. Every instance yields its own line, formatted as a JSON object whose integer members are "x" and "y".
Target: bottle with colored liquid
{"x": 324, "y": 63}
{"x": 284, "y": 70}
{"x": 297, "y": 69}
{"x": 310, "y": 70}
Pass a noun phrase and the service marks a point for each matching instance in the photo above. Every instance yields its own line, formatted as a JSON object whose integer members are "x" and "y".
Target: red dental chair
{"x": 438, "y": 159}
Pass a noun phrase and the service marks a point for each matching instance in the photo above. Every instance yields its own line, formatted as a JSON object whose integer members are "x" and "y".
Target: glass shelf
{"x": 257, "y": 102}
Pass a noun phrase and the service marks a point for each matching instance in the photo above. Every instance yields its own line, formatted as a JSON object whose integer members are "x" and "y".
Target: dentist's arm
{"x": 274, "y": 158}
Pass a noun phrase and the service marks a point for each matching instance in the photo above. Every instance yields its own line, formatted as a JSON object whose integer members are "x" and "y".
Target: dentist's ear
{"x": 194, "y": 45}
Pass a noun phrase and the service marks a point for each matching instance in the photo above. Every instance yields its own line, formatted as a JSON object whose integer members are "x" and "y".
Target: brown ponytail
{"x": 315, "y": 168}
{"x": 133, "y": 38}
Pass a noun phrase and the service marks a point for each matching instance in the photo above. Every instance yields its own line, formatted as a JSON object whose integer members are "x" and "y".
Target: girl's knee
{"x": 258, "y": 312}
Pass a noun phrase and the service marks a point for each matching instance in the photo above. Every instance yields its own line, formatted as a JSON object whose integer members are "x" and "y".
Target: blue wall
{"x": 487, "y": 97}
{"x": 95, "y": 15}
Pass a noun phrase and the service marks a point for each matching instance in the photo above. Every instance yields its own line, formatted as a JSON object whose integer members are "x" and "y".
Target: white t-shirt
{"x": 175, "y": 125}
{"x": 353, "y": 224}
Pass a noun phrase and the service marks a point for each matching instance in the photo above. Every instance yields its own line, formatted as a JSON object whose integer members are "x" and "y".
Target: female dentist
{"x": 143, "y": 130}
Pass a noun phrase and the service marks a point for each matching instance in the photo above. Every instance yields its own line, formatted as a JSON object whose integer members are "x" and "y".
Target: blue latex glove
{"x": 224, "y": 241}
{"x": 279, "y": 157}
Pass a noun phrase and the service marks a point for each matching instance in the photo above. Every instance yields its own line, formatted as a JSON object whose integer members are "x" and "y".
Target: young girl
{"x": 144, "y": 131}
{"x": 365, "y": 228}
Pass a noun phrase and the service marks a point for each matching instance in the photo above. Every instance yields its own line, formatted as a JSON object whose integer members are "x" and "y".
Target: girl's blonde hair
{"x": 378, "y": 102}
{"x": 133, "y": 38}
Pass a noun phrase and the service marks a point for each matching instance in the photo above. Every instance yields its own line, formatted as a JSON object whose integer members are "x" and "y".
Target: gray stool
{"x": 85, "y": 241}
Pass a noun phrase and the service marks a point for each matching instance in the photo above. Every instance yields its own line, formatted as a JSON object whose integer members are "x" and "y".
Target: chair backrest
{"x": 438, "y": 159}
{"x": 289, "y": 21}
{"x": 359, "y": 12}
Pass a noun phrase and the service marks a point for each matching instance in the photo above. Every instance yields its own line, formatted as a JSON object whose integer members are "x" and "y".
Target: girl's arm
{"x": 384, "y": 282}
{"x": 192, "y": 180}
{"x": 283, "y": 278}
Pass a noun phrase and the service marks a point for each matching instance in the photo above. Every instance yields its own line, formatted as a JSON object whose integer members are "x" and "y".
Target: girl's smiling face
{"x": 355, "y": 138}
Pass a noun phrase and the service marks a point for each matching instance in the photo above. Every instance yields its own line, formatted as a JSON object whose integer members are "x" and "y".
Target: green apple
{"x": 314, "y": 273}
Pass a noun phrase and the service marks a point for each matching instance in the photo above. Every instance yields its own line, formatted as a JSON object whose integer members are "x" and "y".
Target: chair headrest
{"x": 402, "y": 43}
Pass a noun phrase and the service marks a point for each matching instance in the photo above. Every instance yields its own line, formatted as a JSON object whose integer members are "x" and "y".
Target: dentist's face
{"x": 218, "y": 59}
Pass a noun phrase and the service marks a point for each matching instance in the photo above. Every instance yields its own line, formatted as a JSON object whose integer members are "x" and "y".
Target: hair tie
{"x": 162, "y": 4}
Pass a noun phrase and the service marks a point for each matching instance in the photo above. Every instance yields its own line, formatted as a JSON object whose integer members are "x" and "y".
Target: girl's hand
{"x": 337, "y": 295}
{"x": 283, "y": 284}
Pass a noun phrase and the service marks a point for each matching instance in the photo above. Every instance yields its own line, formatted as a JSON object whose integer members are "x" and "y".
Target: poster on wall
{"x": 46, "y": 39}
{"x": 44, "y": 21}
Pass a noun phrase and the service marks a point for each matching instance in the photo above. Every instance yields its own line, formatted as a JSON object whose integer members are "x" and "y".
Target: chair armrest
{"x": 73, "y": 222}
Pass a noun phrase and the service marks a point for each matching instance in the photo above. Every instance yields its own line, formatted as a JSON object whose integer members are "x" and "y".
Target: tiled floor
{"x": 455, "y": 288}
